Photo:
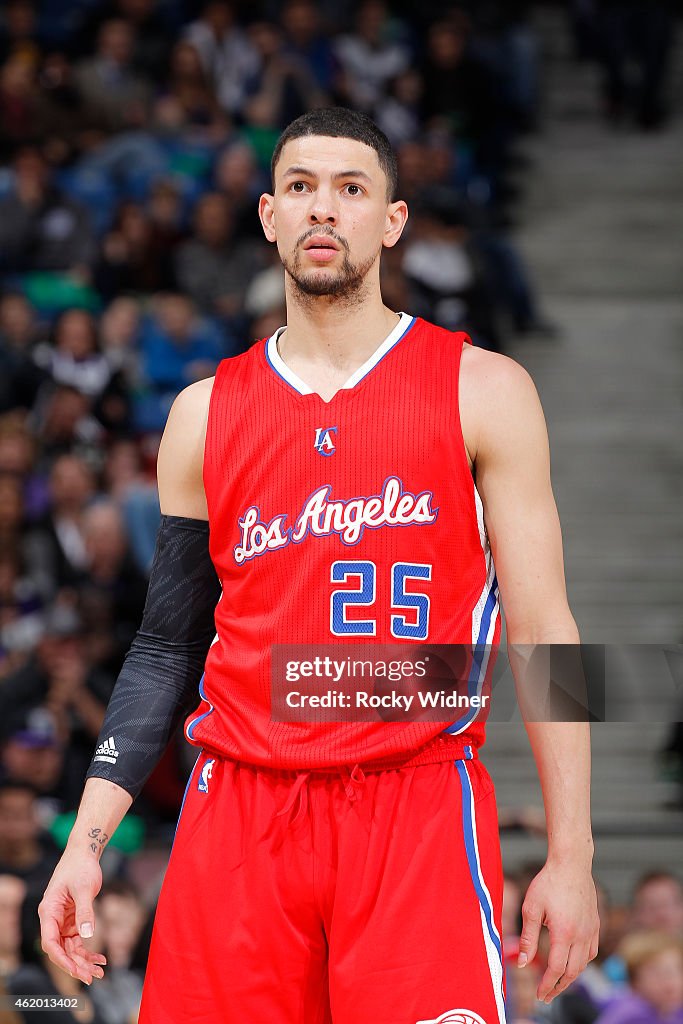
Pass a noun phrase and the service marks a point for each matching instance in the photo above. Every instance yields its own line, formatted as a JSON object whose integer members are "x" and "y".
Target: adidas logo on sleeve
{"x": 107, "y": 751}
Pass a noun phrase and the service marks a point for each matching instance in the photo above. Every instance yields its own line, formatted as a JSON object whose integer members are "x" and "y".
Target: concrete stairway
{"x": 603, "y": 222}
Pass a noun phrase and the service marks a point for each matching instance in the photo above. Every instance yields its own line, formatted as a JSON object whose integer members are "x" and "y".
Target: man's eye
{"x": 298, "y": 186}
{"x": 356, "y": 190}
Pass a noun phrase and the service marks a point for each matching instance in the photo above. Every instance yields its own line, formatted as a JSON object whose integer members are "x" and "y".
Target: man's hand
{"x": 562, "y": 897}
{"x": 67, "y": 916}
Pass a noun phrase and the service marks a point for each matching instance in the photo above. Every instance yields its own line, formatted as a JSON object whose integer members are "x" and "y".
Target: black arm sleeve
{"x": 158, "y": 684}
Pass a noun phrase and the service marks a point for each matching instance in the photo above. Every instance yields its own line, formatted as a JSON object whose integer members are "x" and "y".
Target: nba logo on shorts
{"x": 455, "y": 1017}
{"x": 203, "y": 784}
{"x": 324, "y": 442}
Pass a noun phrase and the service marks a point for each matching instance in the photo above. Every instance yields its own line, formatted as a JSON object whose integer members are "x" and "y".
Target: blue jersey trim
{"x": 187, "y": 788}
{"x": 477, "y": 673}
{"x": 195, "y": 723}
{"x": 472, "y": 859}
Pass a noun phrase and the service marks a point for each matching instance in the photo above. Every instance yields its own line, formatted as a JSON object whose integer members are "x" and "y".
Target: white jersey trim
{"x": 278, "y": 364}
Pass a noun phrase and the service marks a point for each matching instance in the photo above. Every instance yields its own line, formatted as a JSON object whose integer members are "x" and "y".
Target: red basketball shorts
{"x": 330, "y": 898}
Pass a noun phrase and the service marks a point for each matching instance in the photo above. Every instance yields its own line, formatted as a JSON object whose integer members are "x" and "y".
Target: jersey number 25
{"x": 410, "y": 624}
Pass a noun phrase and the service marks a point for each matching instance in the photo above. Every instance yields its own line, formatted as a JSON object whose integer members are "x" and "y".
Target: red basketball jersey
{"x": 349, "y": 521}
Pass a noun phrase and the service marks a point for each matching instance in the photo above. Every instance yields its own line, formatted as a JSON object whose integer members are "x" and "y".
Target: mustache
{"x": 322, "y": 231}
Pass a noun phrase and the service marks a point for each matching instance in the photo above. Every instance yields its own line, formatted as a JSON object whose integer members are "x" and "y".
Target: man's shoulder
{"x": 193, "y": 401}
{"x": 493, "y": 375}
{"x": 497, "y": 399}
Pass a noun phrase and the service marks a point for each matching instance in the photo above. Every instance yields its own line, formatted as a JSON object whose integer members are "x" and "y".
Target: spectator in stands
{"x": 446, "y": 273}
{"x": 306, "y": 41}
{"x": 123, "y": 470}
{"x": 398, "y": 112}
{"x": 654, "y": 965}
{"x": 214, "y": 267}
{"x": 40, "y": 228}
{"x": 18, "y": 452}
{"x": 112, "y": 590}
{"x": 19, "y": 331}
{"x": 12, "y": 892}
{"x": 119, "y": 331}
{"x": 266, "y": 294}
{"x": 73, "y": 357}
{"x": 19, "y": 328}
{"x": 121, "y": 916}
{"x": 283, "y": 88}
{"x": 135, "y": 258}
{"x": 20, "y": 121}
{"x": 635, "y": 41}
{"x": 19, "y": 31}
{"x": 369, "y": 57}
{"x": 26, "y": 850}
{"x": 31, "y": 749}
{"x": 658, "y": 903}
{"x": 179, "y": 346}
{"x": 228, "y": 57}
{"x": 67, "y": 124}
{"x": 21, "y": 603}
{"x": 112, "y": 90}
{"x": 151, "y": 36}
{"x": 189, "y": 101}
{"x": 72, "y": 487}
{"x": 461, "y": 96}
{"x": 68, "y": 693}
{"x": 64, "y": 420}
{"x": 238, "y": 177}
{"x": 165, "y": 210}
{"x": 135, "y": 492}
{"x": 28, "y": 542}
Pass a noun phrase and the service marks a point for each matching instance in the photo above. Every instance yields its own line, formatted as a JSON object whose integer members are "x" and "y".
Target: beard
{"x": 344, "y": 283}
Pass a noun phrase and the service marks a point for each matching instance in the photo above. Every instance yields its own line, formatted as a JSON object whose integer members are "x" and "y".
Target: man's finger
{"x": 51, "y": 945}
{"x": 557, "y": 964}
{"x": 89, "y": 964}
{"x": 577, "y": 960}
{"x": 531, "y": 930}
{"x": 85, "y": 915}
{"x": 75, "y": 948}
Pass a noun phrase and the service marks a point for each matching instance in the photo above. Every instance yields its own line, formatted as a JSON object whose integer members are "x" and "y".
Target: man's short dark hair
{"x": 342, "y": 123}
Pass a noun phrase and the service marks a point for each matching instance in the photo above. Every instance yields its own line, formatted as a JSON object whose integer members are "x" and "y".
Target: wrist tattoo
{"x": 98, "y": 840}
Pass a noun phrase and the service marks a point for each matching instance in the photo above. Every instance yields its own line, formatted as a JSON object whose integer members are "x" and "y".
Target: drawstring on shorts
{"x": 353, "y": 780}
{"x": 298, "y": 795}
{"x": 296, "y": 805}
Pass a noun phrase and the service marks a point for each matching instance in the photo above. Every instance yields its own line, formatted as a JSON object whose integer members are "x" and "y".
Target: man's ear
{"x": 267, "y": 216}
{"x": 397, "y": 215}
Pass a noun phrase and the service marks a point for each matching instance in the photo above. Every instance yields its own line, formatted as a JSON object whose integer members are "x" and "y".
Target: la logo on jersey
{"x": 455, "y": 1017}
{"x": 203, "y": 784}
{"x": 324, "y": 442}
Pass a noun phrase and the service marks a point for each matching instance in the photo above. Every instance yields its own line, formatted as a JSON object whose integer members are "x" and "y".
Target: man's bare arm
{"x": 506, "y": 433}
{"x": 181, "y": 453}
{"x": 66, "y": 910}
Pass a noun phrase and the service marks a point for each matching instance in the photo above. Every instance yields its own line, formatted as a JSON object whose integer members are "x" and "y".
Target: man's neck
{"x": 331, "y": 337}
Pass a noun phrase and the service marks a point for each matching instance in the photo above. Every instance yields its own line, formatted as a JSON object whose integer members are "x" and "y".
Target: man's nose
{"x": 323, "y": 209}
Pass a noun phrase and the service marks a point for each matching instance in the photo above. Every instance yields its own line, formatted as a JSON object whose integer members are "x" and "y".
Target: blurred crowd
{"x": 135, "y": 139}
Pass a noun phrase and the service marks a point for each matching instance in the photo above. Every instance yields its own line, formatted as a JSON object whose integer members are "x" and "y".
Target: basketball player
{"x": 350, "y": 872}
